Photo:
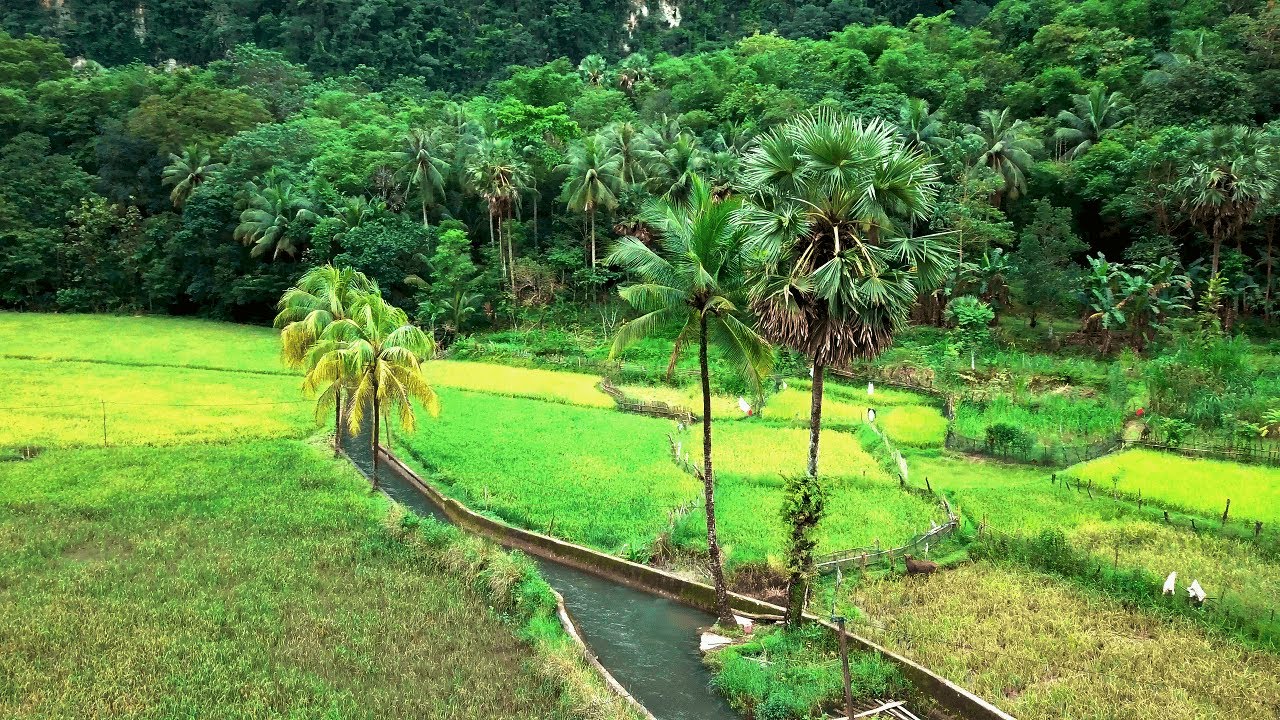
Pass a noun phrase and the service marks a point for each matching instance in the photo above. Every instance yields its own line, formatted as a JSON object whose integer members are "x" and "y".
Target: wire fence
{"x": 1201, "y": 444}
{"x": 646, "y": 407}
{"x": 1038, "y": 453}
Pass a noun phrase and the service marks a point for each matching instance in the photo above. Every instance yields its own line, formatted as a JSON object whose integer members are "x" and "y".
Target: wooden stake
{"x": 1226, "y": 511}
{"x": 1257, "y": 531}
{"x": 844, "y": 669}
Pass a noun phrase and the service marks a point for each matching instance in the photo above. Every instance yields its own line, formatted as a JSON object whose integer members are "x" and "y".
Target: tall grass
{"x": 248, "y": 581}
{"x": 1052, "y": 419}
{"x": 796, "y": 674}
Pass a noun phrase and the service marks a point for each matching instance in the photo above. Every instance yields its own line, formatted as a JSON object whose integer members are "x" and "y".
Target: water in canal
{"x": 649, "y": 643}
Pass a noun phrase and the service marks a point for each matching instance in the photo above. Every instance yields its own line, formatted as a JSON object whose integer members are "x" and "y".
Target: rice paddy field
{"x": 215, "y": 471}
{"x": 1197, "y": 485}
{"x": 1045, "y": 650}
{"x": 598, "y": 477}
{"x": 241, "y": 581}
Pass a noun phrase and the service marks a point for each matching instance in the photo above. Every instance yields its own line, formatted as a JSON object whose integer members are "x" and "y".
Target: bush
{"x": 1008, "y": 439}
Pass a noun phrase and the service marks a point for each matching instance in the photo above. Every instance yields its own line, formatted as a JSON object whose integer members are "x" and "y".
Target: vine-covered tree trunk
{"x": 337, "y": 423}
{"x": 376, "y": 429}
{"x": 724, "y": 614}
{"x": 815, "y": 417}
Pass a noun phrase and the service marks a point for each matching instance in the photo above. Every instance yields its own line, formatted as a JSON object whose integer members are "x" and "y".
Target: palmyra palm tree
{"x": 1233, "y": 173}
{"x": 633, "y": 69}
{"x": 831, "y": 204}
{"x": 423, "y": 164}
{"x": 593, "y": 69}
{"x": 378, "y": 355}
{"x": 1007, "y": 148}
{"x": 323, "y": 295}
{"x": 273, "y": 210}
{"x": 188, "y": 171}
{"x": 593, "y": 179}
{"x": 1094, "y": 113}
{"x": 695, "y": 279}
{"x": 498, "y": 174}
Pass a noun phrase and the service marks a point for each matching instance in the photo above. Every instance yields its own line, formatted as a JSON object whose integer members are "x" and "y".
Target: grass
{"x": 864, "y": 504}
{"x": 59, "y": 404}
{"x": 252, "y": 581}
{"x": 796, "y": 674}
{"x": 597, "y": 477}
{"x": 1197, "y": 485}
{"x": 1051, "y": 419}
{"x": 1043, "y": 650}
{"x": 169, "y": 341}
{"x": 550, "y": 385}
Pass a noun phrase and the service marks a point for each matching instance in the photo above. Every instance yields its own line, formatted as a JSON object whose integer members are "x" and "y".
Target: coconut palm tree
{"x": 323, "y": 295}
{"x": 695, "y": 279}
{"x": 593, "y": 69}
{"x": 594, "y": 177}
{"x": 920, "y": 128}
{"x": 498, "y": 174}
{"x": 832, "y": 203}
{"x": 672, "y": 166}
{"x": 1007, "y": 148}
{"x": 423, "y": 164}
{"x": 272, "y": 211}
{"x": 625, "y": 141}
{"x": 378, "y": 354}
{"x": 1094, "y": 114}
{"x": 188, "y": 171}
{"x": 1232, "y": 174}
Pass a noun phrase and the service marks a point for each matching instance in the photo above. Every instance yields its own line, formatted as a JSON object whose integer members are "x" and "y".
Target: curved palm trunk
{"x": 376, "y": 429}
{"x": 724, "y": 614}
{"x": 815, "y": 417}
{"x": 592, "y": 219}
{"x": 337, "y": 423}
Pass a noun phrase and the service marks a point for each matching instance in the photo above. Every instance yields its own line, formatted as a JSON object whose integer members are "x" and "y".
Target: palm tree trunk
{"x": 337, "y": 423}
{"x": 1271, "y": 236}
{"x": 815, "y": 417}
{"x": 1217, "y": 249}
{"x": 592, "y": 217}
{"x": 511, "y": 260}
{"x": 376, "y": 429}
{"x": 723, "y": 613}
{"x": 535, "y": 217}
{"x": 424, "y": 213}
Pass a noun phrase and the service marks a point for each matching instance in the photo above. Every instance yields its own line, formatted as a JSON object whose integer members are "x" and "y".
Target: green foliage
{"x": 803, "y": 507}
{"x": 972, "y": 322}
{"x": 801, "y": 677}
{"x": 1003, "y": 438}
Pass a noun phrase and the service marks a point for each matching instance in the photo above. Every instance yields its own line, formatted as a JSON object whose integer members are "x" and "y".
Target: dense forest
{"x": 1114, "y": 160}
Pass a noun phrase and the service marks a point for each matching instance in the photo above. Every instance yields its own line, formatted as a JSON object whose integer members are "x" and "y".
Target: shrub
{"x": 1009, "y": 439}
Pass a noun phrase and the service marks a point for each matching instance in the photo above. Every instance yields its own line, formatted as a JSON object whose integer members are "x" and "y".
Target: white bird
{"x": 871, "y": 388}
{"x": 744, "y": 405}
{"x": 1170, "y": 583}
{"x": 1196, "y": 593}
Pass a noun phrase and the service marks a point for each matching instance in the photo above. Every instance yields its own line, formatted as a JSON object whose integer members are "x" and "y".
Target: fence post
{"x": 1226, "y": 511}
{"x": 1257, "y": 530}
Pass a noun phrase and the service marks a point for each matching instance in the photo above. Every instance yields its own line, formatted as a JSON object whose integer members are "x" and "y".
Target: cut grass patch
{"x": 1201, "y": 486}
{"x": 241, "y": 581}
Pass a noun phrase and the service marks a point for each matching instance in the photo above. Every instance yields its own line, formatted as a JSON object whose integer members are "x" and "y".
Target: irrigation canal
{"x": 648, "y": 643}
